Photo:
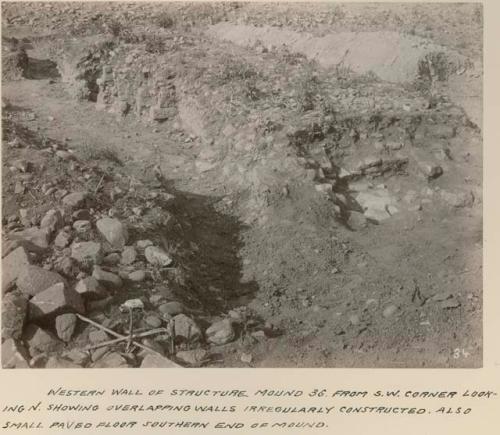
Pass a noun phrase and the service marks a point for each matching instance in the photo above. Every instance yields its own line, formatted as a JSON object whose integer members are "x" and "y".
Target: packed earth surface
{"x": 241, "y": 185}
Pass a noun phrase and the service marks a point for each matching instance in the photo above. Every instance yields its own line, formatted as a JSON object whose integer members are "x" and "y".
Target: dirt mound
{"x": 389, "y": 55}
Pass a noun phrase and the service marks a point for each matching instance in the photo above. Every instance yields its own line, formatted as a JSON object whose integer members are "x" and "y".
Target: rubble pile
{"x": 85, "y": 264}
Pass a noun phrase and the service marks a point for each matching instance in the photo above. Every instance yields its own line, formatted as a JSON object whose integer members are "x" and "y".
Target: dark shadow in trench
{"x": 210, "y": 258}
{"x": 41, "y": 69}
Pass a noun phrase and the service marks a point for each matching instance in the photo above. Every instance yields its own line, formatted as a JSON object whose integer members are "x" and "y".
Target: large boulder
{"x": 33, "y": 280}
{"x": 57, "y": 299}
{"x": 39, "y": 237}
{"x": 12, "y": 265}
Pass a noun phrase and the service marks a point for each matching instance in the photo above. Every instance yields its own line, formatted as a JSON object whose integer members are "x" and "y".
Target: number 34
{"x": 459, "y": 353}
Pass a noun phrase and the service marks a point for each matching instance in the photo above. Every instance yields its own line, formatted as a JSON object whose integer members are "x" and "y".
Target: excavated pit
{"x": 311, "y": 185}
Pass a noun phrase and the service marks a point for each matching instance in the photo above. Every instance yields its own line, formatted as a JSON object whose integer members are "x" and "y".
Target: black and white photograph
{"x": 242, "y": 185}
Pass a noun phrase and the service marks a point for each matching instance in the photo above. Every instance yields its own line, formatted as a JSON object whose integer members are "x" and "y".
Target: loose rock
{"x": 186, "y": 328}
{"x": 53, "y": 301}
{"x": 62, "y": 240}
{"x": 112, "y": 259}
{"x": 220, "y": 332}
{"x": 129, "y": 255}
{"x": 52, "y": 220}
{"x": 172, "y": 308}
{"x": 153, "y": 361}
{"x": 12, "y": 266}
{"x": 113, "y": 231}
{"x": 40, "y": 341}
{"x": 82, "y": 227}
{"x": 65, "y": 326}
{"x": 14, "y": 313}
{"x": 112, "y": 360}
{"x": 137, "y": 276}
{"x": 90, "y": 288}
{"x": 55, "y": 362}
{"x": 75, "y": 200}
{"x": 108, "y": 279}
{"x": 157, "y": 256}
{"x": 33, "y": 280}
{"x": 357, "y": 221}
{"x": 14, "y": 355}
{"x": 195, "y": 357}
{"x": 39, "y": 237}
{"x": 87, "y": 253}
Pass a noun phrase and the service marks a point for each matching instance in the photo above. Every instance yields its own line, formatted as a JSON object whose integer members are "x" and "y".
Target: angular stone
{"x": 157, "y": 256}
{"x": 40, "y": 237}
{"x": 194, "y": 357}
{"x": 52, "y": 220}
{"x": 96, "y": 337}
{"x": 62, "y": 239}
{"x": 153, "y": 361}
{"x": 82, "y": 226}
{"x": 65, "y": 326}
{"x": 113, "y": 231}
{"x": 129, "y": 255}
{"x": 12, "y": 266}
{"x": 33, "y": 280}
{"x": 186, "y": 328}
{"x": 14, "y": 313}
{"x": 137, "y": 276}
{"x": 54, "y": 301}
{"x": 143, "y": 244}
{"x": 66, "y": 266}
{"x": 221, "y": 332}
{"x": 90, "y": 288}
{"x": 376, "y": 203}
{"x": 108, "y": 279}
{"x": 55, "y": 362}
{"x": 77, "y": 356}
{"x": 112, "y": 259}
{"x": 75, "y": 200}
{"x": 9, "y": 246}
{"x": 172, "y": 308}
{"x": 98, "y": 353}
{"x": 14, "y": 355}
{"x": 112, "y": 360}
{"x": 87, "y": 253}
{"x": 153, "y": 321}
{"x": 324, "y": 188}
{"x": 39, "y": 340}
{"x": 357, "y": 220}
